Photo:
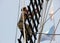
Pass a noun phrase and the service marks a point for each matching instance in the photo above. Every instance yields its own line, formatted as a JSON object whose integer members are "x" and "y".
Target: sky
{"x": 8, "y": 20}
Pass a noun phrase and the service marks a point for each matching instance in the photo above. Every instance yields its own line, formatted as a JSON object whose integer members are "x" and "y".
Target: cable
{"x": 55, "y": 30}
{"x": 17, "y": 20}
{"x": 46, "y": 33}
{"x": 48, "y": 9}
{"x": 53, "y": 20}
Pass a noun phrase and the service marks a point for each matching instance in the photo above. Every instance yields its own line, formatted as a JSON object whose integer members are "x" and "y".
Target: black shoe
{"x": 19, "y": 41}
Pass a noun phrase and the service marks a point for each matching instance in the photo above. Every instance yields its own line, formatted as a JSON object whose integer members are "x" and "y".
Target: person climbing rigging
{"x": 20, "y": 24}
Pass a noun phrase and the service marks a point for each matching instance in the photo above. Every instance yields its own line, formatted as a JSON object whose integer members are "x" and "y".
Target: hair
{"x": 24, "y": 9}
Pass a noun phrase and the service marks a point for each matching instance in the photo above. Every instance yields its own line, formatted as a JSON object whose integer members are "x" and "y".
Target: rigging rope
{"x": 17, "y": 20}
{"x": 53, "y": 20}
{"x": 46, "y": 33}
{"x": 48, "y": 9}
{"x": 55, "y": 30}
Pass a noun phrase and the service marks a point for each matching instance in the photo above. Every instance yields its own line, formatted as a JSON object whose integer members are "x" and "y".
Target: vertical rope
{"x": 24, "y": 29}
{"x": 48, "y": 9}
{"x": 17, "y": 20}
{"x": 42, "y": 18}
{"x": 23, "y": 23}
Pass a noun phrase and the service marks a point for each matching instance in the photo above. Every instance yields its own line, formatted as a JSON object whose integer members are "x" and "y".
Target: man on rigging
{"x": 20, "y": 24}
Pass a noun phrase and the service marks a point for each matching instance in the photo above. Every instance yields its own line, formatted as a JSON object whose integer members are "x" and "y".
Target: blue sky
{"x": 8, "y": 20}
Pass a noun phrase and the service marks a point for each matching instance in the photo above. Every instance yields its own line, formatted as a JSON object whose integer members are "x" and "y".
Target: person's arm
{"x": 32, "y": 13}
{"x": 28, "y": 13}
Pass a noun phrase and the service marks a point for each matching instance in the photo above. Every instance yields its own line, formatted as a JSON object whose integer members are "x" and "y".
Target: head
{"x": 24, "y": 10}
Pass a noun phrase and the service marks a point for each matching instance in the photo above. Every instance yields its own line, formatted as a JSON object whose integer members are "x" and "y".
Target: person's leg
{"x": 31, "y": 33}
{"x": 19, "y": 41}
{"x": 28, "y": 33}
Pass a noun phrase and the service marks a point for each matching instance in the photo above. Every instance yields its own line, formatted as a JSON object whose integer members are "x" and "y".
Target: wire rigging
{"x": 42, "y": 24}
